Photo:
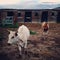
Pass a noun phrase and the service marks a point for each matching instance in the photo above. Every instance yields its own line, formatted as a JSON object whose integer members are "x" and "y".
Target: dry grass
{"x": 40, "y": 47}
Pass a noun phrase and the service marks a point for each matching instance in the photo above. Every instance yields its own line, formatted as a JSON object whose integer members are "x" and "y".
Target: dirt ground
{"x": 40, "y": 47}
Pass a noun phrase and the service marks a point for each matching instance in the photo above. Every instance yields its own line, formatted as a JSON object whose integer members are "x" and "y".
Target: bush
{"x": 32, "y": 32}
{"x": 10, "y": 25}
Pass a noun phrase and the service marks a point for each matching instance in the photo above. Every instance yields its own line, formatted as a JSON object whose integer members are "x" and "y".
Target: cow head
{"x": 12, "y": 37}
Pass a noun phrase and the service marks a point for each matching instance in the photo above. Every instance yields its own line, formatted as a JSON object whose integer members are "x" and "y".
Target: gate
{"x": 44, "y": 16}
{"x": 58, "y": 17}
{"x": 28, "y": 16}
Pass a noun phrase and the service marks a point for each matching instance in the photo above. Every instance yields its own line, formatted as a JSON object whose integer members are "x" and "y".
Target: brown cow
{"x": 45, "y": 27}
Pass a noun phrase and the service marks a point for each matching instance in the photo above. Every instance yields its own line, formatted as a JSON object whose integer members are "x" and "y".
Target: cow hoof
{"x": 20, "y": 56}
{"x": 25, "y": 52}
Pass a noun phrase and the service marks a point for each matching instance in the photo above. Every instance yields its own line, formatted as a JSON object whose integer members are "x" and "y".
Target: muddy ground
{"x": 40, "y": 47}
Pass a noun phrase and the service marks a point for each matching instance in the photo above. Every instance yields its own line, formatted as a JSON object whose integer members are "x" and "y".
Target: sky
{"x": 9, "y": 2}
{"x": 26, "y": 3}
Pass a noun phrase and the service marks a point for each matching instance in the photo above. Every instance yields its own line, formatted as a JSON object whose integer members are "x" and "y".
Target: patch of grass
{"x": 10, "y": 26}
{"x": 32, "y": 32}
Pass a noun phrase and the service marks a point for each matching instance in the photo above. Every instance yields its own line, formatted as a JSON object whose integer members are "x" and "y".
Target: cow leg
{"x": 25, "y": 48}
{"x": 25, "y": 44}
{"x": 20, "y": 49}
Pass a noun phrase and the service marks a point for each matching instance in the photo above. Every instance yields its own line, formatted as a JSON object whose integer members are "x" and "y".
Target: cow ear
{"x": 8, "y": 31}
{"x": 16, "y": 34}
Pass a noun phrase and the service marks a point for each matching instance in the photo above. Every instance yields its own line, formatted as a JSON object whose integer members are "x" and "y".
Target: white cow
{"x": 20, "y": 37}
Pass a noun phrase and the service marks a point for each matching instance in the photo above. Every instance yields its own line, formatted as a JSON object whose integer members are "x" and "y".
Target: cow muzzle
{"x": 8, "y": 44}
